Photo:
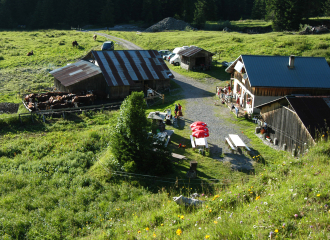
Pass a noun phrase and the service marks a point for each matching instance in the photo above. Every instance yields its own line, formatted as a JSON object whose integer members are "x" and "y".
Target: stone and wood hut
{"x": 195, "y": 57}
{"x": 297, "y": 122}
{"x": 260, "y": 79}
{"x": 116, "y": 73}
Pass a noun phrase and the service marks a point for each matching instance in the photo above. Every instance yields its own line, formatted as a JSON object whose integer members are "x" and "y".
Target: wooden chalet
{"x": 297, "y": 121}
{"x": 260, "y": 79}
{"x": 195, "y": 57}
{"x": 116, "y": 73}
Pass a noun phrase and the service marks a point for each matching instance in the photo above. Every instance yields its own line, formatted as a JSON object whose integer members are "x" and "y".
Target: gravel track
{"x": 199, "y": 97}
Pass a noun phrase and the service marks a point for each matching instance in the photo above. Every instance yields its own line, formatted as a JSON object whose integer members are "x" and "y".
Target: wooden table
{"x": 201, "y": 142}
{"x": 237, "y": 141}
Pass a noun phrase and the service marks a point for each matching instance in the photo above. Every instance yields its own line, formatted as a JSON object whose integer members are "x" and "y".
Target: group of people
{"x": 178, "y": 110}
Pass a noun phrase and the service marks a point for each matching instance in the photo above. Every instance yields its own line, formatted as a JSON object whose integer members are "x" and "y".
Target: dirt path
{"x": 200, "y": 107}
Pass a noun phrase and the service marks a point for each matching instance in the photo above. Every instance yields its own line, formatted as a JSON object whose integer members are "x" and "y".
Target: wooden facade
{"x": 285, "y": 125}
{"x": 202, "y": 57}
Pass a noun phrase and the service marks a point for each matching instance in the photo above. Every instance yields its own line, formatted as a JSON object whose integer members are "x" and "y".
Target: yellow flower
{"x": 251, "y": 192}
{"x": 182, "y": 217}
{"x": 147, "y": 229}
{"x": 207, "y": 236}
{"x": 178, "y": 216}
{"x": 179, "y": 232}
{"x": 251, "y": 186}
{"x": 215, "y": 222}
{"x": 139, "y": 231}
{"x": 276, "y": 230}
{"x": 257, "y": 198}
{"x": 210, "y": 210}
{"x": 154, "y": 235}
{"x": 162, "y": 224}
{"x": 318, "y": 195}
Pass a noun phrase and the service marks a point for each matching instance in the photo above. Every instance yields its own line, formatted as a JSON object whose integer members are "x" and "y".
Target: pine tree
{"x": 287, "y": 14}
{"x": 200, "y": 13}
{"x": 130, "y": 143}
{"x": 108, "y": 14}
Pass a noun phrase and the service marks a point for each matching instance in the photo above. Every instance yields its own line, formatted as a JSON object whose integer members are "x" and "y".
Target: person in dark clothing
{"x": 176, "y": 109}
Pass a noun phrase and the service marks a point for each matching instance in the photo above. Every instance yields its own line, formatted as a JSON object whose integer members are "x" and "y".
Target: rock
{"x": 181, "y": 200}
{"x": 168, "y": 24}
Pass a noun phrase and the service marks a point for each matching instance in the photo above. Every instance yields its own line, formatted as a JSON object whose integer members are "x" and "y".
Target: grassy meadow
{"x": 57, "y": 180}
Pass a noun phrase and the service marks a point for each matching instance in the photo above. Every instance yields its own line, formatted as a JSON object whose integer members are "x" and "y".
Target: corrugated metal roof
{"x": 313, "y": 111}
{"x": 191, "y": 51}
{"x": 75, "y": 72}
{"x": 127, "y": 66}
{"x": 273, "y": 71}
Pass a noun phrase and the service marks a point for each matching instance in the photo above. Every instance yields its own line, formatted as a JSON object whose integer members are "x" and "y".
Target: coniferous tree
{"x": 200, "y": 13}
{"x": 287, "y": 14}
{"x": 130, "y": 143}
{"x": 108, "y": 14}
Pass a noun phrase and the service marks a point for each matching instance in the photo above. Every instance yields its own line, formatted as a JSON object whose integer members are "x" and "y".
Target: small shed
{"x": 297, "y": 121}
{"x": 79, "y": 76}
{"x": 195, "y": 57}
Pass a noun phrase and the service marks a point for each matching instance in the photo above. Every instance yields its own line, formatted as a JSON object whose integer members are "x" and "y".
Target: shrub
{"x": 2, "y": 58}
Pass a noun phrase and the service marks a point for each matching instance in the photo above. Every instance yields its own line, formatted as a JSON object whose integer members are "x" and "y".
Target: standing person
{"x": 180, "y": 109}
{"x": 176, "y": 109}
{"x": 236, "y": 110}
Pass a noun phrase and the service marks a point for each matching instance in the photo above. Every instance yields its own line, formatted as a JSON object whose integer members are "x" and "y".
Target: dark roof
{"x": 75, "y": 72}
{"x": 192, "y": 51}
{"x": 273, "y": 71}
{"x": 313, "y": 111}
{"x": 127, "y": 66}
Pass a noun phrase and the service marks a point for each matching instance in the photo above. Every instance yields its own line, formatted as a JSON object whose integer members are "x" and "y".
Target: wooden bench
{"x": 193, "y": 145}
{"x": 231, "y": 146}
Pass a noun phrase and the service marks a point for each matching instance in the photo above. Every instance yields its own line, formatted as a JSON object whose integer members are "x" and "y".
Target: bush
{"x": 2, "y": 58}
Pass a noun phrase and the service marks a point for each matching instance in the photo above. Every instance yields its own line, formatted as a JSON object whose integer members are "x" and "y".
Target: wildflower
{"x": 210, "y": 210}
{"x": 207, "y": 236}
{"x": 215, "y": 222}
{"x": 147, "y": 229}
{"x": 276, "y": 230}
{"x": 305, "y": 198}
{"x": 240, "y": 222}
{"x": 182, "y": 217}
{"x": 296, "y": 215}
{"x": 179, "y": 232}
{"x": 154, "y": 235}
{"x": 271, "y": 234}
{"x": 257, "y": 198}
{"x": 251, "y": 192}
{"x": 283, "y": 226}
{"x": 219, "y": 217}
{"x": 265, "y": 203}
{"x": 318, "y": 195}
{"x": 162, "y": 224}
{"x": 326, "y": 205}
{"x": 139, "y": 231}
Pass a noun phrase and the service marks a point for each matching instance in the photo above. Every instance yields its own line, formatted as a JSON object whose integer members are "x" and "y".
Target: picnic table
{"x": 201, "y": 142}
{"x": 237, "y": 141}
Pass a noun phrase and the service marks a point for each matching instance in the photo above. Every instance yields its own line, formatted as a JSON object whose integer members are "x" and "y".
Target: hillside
{"x": 57, "y": 180}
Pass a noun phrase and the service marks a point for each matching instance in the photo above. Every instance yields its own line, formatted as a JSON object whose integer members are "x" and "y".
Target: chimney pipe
{"x": 291, "y": 61}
